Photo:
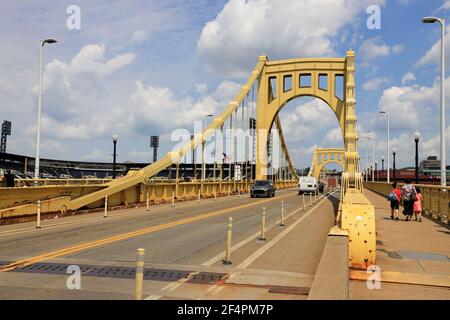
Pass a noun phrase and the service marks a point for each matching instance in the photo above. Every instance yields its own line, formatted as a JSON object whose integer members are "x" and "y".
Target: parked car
{"x": 262, "y": 188}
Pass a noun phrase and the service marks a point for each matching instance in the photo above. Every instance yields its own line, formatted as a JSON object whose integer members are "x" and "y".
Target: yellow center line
{"x": 124, "y": 236}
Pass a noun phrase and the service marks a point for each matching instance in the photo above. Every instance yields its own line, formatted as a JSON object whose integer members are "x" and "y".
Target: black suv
{"x": 262, "y": 188}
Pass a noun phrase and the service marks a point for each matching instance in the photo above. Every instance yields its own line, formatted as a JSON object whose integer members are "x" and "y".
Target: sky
{"x": 140, "y": 68}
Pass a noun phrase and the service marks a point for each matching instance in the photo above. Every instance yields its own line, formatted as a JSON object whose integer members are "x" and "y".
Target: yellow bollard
{"x": 227, "y": 259}
{"x": 105, "y": 214}
{"x": 310, "y": 199}
{"x": 38, "y": 220}
{"x": 139, "y": 274}
{"x": 147, "y": 202}
{"x": 282, "y": 214}
{"x": 198, "y": 196}
{"x": 173, "y": 199}
{"x": 303, "y": 200}
{"x": 263, "y": 225}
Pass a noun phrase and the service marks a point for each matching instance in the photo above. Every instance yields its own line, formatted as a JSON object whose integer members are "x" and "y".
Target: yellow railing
{"x": 16, "y": 202}
{"x": 58, "y": 182}
{"x": 435, "y": 198}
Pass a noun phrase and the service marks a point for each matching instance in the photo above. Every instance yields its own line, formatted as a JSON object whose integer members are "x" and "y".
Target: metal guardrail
{"x": 21, "y": 201}
{"x": 58, "y": 182}
{"x": 436, "y": 199}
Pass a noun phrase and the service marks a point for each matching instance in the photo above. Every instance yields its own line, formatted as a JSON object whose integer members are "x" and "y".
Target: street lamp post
{"x": 388, "y": 148}
{"x": 115, "y": 137}
{"x": 376, "y": 171}
{"x": 443, "y": 161}
{"x": 203, "y": 150}
{"x": 194, "y": 164}
{"x": 394, "y": 151}
{"x": 382, "y": 164}
{"x": 38, "y": 126}
{"x": 416, "y": 140}
{"x": 373, "y": 157}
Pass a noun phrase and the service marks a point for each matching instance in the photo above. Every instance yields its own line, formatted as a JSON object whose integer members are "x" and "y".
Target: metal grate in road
{"x": 124, "y": 272}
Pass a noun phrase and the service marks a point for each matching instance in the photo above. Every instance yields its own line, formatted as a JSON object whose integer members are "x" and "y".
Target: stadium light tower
{"x": 38, "y": 127}
{"x": 154, "y": 144}
{"x": 6, "y": 131}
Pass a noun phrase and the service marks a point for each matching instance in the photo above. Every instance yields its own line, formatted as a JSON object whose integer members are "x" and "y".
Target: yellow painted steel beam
{"x": 285, "y": 149}
{"x": 332, "y": 155}
{"x": 171, "y": 157}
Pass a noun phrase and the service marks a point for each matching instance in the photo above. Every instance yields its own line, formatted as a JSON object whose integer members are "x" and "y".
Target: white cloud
{"x": 160, "y": 108}
{"x": 411, "y": 108}
{"x": 406, "y": 104}
{"x": 306, "y": 120}
{"x": 433, "y": 55}
{"x": 97, "y": 155}
{"x": 201, "y": 88}
{"x": 372, "y": 49}
{"x": 91, "y": 59}
{"x": 333, "y": 138}
{"x": 445, "y": 6}
{"x": 243, "y": 30}
{"x": 409, "y": 76}
{"x": 139, "y": 36}
{"x": 75, "y": 89}
{"x": 374, "y": 84}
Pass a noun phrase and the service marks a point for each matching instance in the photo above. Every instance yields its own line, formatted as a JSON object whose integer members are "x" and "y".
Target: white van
{"x": 307, "y": 185}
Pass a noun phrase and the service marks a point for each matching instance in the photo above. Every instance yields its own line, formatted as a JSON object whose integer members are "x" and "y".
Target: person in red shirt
{"x": 395, "y": 201}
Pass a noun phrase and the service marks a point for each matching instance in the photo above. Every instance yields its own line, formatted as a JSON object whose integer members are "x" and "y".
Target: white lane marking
{"x": 221, "y": 255}
{"x": 171, "y": 286}
{"x": 174, "y": 285}
{"x": 216, "y": 289}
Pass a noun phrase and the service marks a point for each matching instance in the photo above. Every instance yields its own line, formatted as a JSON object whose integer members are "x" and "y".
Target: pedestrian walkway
{"x": 413, "y": 258}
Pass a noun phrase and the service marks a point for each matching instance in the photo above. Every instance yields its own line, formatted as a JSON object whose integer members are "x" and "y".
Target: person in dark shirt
{"x": 9, "y": 179}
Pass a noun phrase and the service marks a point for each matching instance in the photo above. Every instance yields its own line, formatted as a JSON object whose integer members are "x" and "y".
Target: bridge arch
{"x": 325, "y": 156}
{"x": 283, "y": 81}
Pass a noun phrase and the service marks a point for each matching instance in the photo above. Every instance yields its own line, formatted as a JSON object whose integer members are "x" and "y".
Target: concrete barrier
{"x": 331, "y": 278}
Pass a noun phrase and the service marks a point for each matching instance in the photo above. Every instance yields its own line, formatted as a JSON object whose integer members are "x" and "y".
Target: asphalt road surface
{"x": 188, "y": 239}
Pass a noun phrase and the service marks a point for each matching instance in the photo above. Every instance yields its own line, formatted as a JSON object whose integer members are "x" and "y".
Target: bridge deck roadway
{"x": 413, "y": 258}
{"x": 188, "y": 238}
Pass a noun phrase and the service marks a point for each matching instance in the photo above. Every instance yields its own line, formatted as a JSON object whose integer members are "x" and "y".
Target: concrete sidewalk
{"x": 413, "y": 258}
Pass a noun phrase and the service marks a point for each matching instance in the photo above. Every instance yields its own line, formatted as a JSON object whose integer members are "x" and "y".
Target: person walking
{"x": 408, "y": 197}
{"x": 417, "y": 208}
{"x": 394, "y": 198}
{"x": 9, "y": 179}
